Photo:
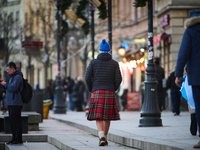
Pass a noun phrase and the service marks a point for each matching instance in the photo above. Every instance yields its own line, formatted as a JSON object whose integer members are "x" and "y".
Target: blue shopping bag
{"x": 186, "y": 91}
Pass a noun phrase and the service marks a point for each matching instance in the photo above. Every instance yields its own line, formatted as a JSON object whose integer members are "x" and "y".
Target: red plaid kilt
{"x": 103, "y": 106}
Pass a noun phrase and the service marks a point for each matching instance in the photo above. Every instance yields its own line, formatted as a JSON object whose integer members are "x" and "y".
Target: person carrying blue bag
{"x": 189, "y": 55}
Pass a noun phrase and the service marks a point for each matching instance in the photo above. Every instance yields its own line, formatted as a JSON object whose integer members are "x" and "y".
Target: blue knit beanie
{"x": 104, "y": 46}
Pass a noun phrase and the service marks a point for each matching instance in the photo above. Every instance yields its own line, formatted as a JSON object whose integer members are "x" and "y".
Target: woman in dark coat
{"x": 103, "y": 78}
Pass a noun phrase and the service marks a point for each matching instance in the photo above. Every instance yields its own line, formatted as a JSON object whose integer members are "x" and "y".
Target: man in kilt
{"x": 103, "y": 78}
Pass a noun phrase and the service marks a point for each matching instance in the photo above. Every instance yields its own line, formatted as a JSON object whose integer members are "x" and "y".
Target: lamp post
{"x": 110, "y": 23}
{"x": 92, "y": 47}
{"x": 59, "y": 106}
{"x": 92, "y": 29}
{"x": 150, "y": 113}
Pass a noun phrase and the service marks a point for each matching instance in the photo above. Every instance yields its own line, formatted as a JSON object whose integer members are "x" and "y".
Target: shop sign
{"x": 164, "y": 21}
{"x": 156, "y": 39}
{"x": 133, "y": 101}
{"x": 32, "y": 44}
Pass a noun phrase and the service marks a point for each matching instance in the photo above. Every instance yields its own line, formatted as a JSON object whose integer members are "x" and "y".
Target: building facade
{"x": 35, "y": 21}
{"x": 130, "y": 28}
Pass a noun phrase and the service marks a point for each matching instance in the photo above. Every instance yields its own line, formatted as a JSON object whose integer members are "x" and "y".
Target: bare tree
{"x": 9, "y": 36}
{"x": 41, "y": 30}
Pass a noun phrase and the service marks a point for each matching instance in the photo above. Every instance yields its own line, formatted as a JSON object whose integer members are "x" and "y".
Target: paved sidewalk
{"x": 173, "y": 135}
{"x": 55, "y": 135}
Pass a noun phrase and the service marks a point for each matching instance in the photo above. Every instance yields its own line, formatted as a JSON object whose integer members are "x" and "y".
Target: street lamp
{"x": 150, "y": 113}
{"x": 121, "y": 51}
{"x": 59, "y": 106}
{"x": 110, "y": 23}
{"x": 92, "y": 47}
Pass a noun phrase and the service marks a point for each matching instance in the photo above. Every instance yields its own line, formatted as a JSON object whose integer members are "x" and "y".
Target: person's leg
{"x": 106, "y": 126}
{"x": 159, "y": 97}
{"x": 178, "y": 101}
{"x": 163, "y": 99}
{"x": 12, "y": 117}
{"x": 177, "y": 96}
{"x": 196, "y": 96}
{"x": 99, "y": 124}
{"x": 100, "y": 128}
{"x": 10, "y": 110}
{"x": 18, "y": 124}
{"x": 15, "y": 123}
{"x": 173, "y": 99}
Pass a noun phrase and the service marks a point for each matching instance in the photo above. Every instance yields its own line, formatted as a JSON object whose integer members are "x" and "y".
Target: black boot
{"x": 193, "y": 125}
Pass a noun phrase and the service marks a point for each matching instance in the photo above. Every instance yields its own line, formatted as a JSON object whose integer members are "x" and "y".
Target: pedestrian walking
{"x": 160, "y": 75}
{"x": 124, "y": 99}
{"x": 174, "y": 93}
{"x": 14, "y": 101}
{"x": 77, "y": 94}
{"x": 69, "y": 88}
{"x": 189, "y": 55}
{"x": 103, "y": 78}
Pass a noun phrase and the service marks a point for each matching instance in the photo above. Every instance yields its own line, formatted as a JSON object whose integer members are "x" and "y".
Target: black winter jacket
{"x": 103, "y": 74}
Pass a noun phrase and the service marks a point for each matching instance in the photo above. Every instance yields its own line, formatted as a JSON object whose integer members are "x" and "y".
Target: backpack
{"x": 27, "y": 91}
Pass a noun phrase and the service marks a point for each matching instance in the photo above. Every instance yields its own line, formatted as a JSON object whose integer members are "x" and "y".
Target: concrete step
{"x": 31, "y": 146}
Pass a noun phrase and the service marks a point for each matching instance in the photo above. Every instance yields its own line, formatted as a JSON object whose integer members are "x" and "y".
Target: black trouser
{"x": 15, "y": 122}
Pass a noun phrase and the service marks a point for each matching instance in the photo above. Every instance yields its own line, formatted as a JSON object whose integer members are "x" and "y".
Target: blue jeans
{"x": 196, "y": 96}
{"x": 175, "y": 97}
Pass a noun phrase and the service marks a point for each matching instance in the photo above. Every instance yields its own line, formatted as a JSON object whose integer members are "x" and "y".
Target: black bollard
{"x": 37, "y": 102}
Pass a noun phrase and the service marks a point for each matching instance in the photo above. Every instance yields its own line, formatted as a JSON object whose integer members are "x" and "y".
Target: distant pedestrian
{"x": 160, "y": 75}
{"x": 69, "y": 88}
{"x": 189, "y": 55}
{"x": 77, "y": 94}
{"x": 37, "y": 89}
{"x": 124, "y": 99}
{"x": 174, "y": 92}
{"x": 14, "y": 101}
{"x": 103, "y": 78}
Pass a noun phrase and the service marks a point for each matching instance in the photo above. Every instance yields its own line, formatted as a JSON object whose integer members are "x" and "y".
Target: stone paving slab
{"x": 82, "y": 142}
{"x": 32, "y": 146}
{"x": 173, "y": 135}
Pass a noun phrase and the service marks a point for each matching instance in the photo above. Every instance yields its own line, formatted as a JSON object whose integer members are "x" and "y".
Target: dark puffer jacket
{"x": 15, "y": 84}
{"x": 103, "y": 74}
